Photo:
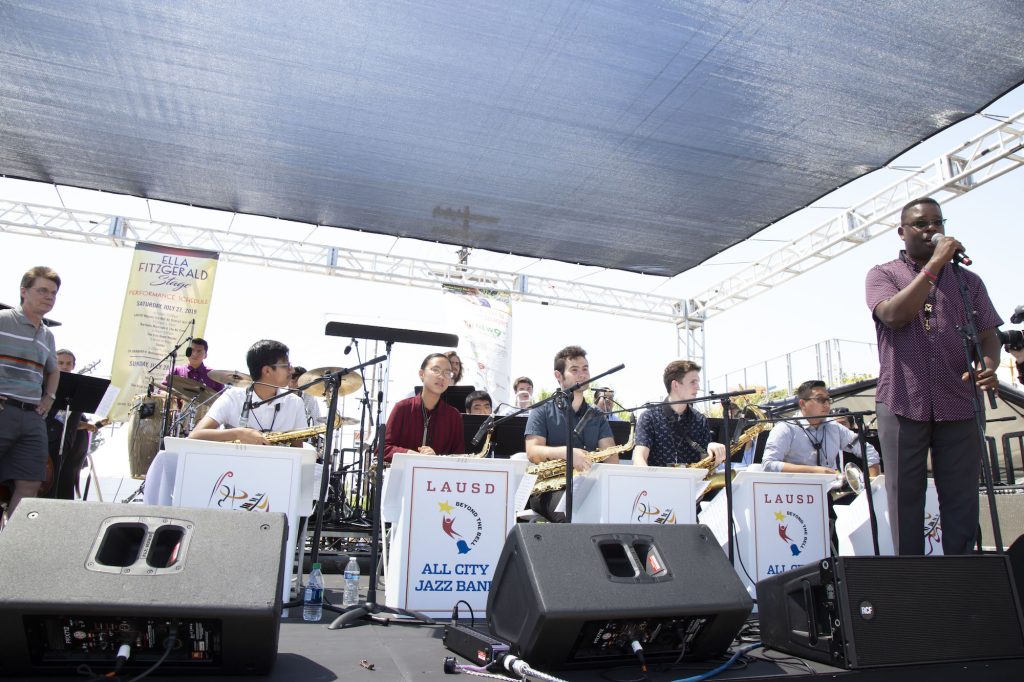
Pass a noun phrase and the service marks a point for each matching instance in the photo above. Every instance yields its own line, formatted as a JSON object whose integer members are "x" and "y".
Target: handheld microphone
{"x": 482, "y": 430}
{"x": 959, "y": 256}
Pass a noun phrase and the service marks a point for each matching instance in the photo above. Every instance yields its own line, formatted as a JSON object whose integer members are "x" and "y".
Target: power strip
{"x": 473, "y": 645}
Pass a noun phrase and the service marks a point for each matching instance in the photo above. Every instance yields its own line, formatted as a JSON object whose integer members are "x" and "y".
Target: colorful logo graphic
{"x": 229, "y": 496}
{"x": 790, "y": 525}
{"x": 464, "y": 518}
{"x": 645, "y": 512}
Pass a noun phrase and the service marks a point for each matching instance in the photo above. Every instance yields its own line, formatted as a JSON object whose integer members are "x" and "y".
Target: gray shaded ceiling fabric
{"x": 643, "y": 136}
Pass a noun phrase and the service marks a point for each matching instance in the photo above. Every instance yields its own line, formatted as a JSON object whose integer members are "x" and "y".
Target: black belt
{"x": 14, "y": 402}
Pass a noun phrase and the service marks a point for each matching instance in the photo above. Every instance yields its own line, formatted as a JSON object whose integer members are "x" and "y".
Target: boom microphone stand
{"x": 974, "y": 353}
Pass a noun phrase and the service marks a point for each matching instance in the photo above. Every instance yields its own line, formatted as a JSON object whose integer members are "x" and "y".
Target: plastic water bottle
{"x": 313, "y": 597}
{"x": 351, "y": 597}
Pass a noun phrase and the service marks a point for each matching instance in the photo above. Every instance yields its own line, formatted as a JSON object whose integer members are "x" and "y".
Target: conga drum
{"x": 144, "y": 434}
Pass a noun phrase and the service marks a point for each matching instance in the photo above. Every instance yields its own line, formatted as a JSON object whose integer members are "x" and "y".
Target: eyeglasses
{"x": 819, "y": 399}
{"x": 923, "y": 224}
{"x": 280, "y": 365}
{"x": 446, "y": 373}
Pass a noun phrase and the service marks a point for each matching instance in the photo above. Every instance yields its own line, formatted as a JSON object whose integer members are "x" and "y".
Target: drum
{"x": 144, "y": 433}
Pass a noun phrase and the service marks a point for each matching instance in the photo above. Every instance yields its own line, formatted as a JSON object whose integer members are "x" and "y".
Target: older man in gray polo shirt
{"x": 28, "y": 384}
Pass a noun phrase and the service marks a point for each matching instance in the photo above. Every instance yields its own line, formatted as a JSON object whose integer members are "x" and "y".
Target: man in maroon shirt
{"x": 424, "y": 423}
{"x": 924, "y": 395}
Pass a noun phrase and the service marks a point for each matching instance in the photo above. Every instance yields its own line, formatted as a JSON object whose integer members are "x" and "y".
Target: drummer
{"x": 311, "y": 404}
{"x": 195, "y": 369}
{"x": 268, "y": 363}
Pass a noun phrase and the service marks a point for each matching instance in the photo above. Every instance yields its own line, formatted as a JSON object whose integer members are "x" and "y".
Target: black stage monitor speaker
{"x": 80, "y": 579}
{"x": 577, "y": 595}
{"x": 861, "y": 612}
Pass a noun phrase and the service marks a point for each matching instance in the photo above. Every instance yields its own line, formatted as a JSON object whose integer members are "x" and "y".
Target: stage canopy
{"x": 644, "y": 136}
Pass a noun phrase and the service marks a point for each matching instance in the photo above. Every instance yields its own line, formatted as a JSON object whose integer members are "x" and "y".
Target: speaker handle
{"x": 812, "y": 624}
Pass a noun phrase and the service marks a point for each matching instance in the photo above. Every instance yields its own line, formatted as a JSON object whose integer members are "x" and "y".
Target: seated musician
{"x": 268, "y": 364}
{"x": 310, "y": 403}
{"x": 604, "y": 400}
{"x": 478, "y": 402}
{"x": 672, "y": 435}
{"x": 812, "y": 445}
{"x": 424, "y": 423}
{"x": 76, "y": 440}
{"x": 195, "y": 369}
{"x": 545, "y": 429}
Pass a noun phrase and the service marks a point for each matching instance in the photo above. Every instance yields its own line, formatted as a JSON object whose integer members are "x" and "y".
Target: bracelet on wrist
{"x": 930, "y": 275}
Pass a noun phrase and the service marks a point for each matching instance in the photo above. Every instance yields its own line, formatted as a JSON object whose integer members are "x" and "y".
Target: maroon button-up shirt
{"x": 920, "y": 371}
{"x": 405, "y": 429}
{"x": 200, "y": 374}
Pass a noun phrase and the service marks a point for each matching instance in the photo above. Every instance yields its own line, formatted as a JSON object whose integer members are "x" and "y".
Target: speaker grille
{"x": 903, "y": 610}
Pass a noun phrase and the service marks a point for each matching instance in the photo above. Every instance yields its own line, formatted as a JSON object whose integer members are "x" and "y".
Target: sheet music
{"x": 524, "y": 490}
{"x": 577, "y": 481}
{"x": 108, "y": 401}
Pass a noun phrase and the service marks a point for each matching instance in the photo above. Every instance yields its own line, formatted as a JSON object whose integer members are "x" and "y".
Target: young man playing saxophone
{"x": 269, "y": 366}
{"x": 545, "y": 429}
{"x": 671, "y": 435}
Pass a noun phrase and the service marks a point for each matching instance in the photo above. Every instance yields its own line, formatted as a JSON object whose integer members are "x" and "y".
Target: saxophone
{"x": 551, "y": 474}
{"x": 717, "y": 481}
{"x": 278, "y": 437}
{"x": 475, "y": 455}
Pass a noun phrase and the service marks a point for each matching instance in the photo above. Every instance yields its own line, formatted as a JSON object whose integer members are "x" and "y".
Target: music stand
{"x": 76, "y": 393}
{"x": 507, "y": 437}
{"x": 453, "y": 395}
{"x": 370, "y": 608}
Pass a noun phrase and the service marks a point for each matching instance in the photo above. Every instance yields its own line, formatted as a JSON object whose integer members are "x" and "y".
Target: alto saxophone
{"x": 717, "y": 481}
{"x": 551, "y": 474}
{"x": 278, "y": 437}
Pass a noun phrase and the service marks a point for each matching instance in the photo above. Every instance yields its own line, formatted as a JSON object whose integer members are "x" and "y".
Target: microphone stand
{"x": 862, "y": 437}
{"x": 563, "y": 401}
{"x": 173, "y": 355}
{"x": 973, "y": 351}
{"x": 725, "y": 401}
{"x": 332, "y": 382}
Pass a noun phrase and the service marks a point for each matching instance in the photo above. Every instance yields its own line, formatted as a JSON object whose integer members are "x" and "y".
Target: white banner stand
{"x": 853, "y": 525}
{"x": 233, "y": 476}
{"x": 622, "y": 493}
{"x": 781, "y": 522}
{"x": 449, "y": 517}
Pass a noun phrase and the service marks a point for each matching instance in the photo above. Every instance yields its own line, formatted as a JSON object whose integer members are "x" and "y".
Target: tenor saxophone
{"x": 551, "y": 474}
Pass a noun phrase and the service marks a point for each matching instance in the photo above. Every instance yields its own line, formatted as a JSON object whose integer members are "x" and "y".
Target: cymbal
{"x": 187, "y": 387}
{"x": 350, "y": 382}
{"x": 230, "y": 377}
{"x": 339, "y": 421}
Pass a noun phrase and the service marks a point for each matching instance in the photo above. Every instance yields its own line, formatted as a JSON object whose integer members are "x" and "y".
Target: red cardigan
{"x": 405, "y": 429}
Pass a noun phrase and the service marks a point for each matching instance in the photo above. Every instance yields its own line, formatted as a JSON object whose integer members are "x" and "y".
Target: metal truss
{"x": 95, "y": 228}
{"x": 984, "y": 158}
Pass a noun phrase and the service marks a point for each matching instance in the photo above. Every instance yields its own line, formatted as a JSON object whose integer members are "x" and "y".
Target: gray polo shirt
{"x": 548, "y": 422}
{"x": 27, "y": 355}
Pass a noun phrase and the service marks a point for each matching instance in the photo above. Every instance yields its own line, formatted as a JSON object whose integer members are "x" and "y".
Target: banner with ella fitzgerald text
{"x": 168, "y": 288}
